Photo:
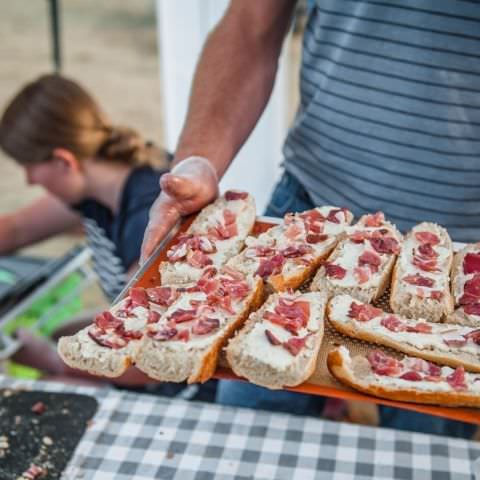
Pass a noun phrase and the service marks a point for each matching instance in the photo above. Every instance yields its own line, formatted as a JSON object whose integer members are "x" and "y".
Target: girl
{"x": 94, "y": 173}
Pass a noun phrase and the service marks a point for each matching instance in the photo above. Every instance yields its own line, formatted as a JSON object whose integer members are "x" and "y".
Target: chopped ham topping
{"x": 262, "y": 251}
{"x": 419, "y": 280}
{"x": 291, "y": 325}
{"x": 294, "y": 310}
{"x": 371, "y": 259}
{"x": 374, "y": 220}
{"x": 363, "y": 312}
{"x": 270, "y": 266}
{"x": 385, "y": 244}
{"x": 272, "y": 338}
{"x": 457, "y": 379}
{"x": 293, "y": 231}
{"x": 471, "y": 291}
{"x": 412, "y": 376}
{"x": 382, "y": 364}
{"x": 163, "y": 334}
{"x": 427, "y": 237}
{"x": 106, "y": 321}
{"x": 334, "y": 271}
{"x": 198, "y": 259}
{"x": 131, "y": 334}
{"x": 204, "y": 326}
{"x": 181, "y": 315}
{"x": 474, "y": 335}
{"x": 436, "y": 294}
{"x": 419, "y": 327}
{"x": 471, "y": 263}
{"x": 316, "y": 238}
{"x": 459, "y": 341}
{"x": 235, "y": 274}
{"x": 428, "y": 265}
{"x": 333, "y": 215}
{"x": 190, "y": 243}
{"x": 426, "y": 250}
{"x": 139, "y": 298}
{"x": 294, "y": 251}
{"x": 313, "y": 221}
{"x": 393, "y": 323}
{"x": 153, "y": 317}
{"x": 361, "y": 274}
{"x": 101, "y": 338}
{"x": 472, "y": 309}
{"x": 294, "y": 345}
{"x": 359, "y": 236}
{"x": 183, "y": 335}
{"x": 164, "y": 296}
{"x": 235, "y": 195}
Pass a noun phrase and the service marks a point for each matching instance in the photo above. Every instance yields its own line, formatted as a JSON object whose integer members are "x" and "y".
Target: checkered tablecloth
{"x": 140, "y": 437}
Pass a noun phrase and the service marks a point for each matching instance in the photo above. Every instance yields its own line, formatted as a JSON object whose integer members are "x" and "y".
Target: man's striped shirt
{"x": 390, "y": 111}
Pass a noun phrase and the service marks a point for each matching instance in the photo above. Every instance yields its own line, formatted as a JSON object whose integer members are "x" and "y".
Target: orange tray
{"x": 321, "y": 382}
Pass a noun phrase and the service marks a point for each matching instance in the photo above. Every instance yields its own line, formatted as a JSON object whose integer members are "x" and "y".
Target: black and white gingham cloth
{"x": 142, "y": 437}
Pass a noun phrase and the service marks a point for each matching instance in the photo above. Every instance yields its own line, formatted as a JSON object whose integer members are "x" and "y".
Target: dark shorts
{"x": 290, "y": 196}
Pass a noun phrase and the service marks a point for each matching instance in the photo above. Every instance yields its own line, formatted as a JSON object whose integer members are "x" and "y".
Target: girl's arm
{"x": 38, "y": 221}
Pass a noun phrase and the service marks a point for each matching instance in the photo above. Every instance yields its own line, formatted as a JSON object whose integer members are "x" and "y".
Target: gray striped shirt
{"x": 390, "y": 111}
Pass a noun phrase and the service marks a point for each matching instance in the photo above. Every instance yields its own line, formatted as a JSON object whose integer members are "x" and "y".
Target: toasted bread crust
{"x": 321, "y": 283}
{"x": 459, "y": 316}
{"x": 158, "y": 362}
{"x": 345, "y": 375}
{"x": 105, "y": 363}
{"x": 470, "y": 362}
{"x": 411, "y": 306}
{"x": 263, "y": 373}
{"x": 281, "y": 282}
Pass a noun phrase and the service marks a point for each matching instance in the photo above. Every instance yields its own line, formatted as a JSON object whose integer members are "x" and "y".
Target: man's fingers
{"x": 178, "y": 187}
{"x": 157, "y": 230}
{"x": 153, "y": 236}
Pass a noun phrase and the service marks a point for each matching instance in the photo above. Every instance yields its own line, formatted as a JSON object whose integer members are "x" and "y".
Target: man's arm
{"x": 234, "y": 79}
{"x": 42, "y": 219}
{"x": 232, "y": 85}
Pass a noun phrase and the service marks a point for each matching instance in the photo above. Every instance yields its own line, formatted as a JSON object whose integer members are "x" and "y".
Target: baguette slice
{"x": 288, "y": 254}
{"x": 185, "y": 344}
{"x": 448, "y": 387}
{"x": 217, "y": 234}
{"x": 421, "y": 289}
{"x": 466, "y": 286}
{"x": 267, "y": 353}
{"x": 110, "y": 345}
{"x": 453, "y": 345}
{"x": 362, "y": 262}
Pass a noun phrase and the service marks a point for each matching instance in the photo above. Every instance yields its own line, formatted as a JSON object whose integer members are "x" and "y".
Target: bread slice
{"x": 358, "y": 373}
{"x": 452, "y": 345}
{"x": 175, "y": 358}
{"x": 260, "y": 352}
{"x": 466, "y": 275}
{"x": 422, "y": 290}
{"x": 110, "y": 345}
{"x": 362, "y": 263}
{"x": 289, "y": 254}
{"x": 217, "y": 234}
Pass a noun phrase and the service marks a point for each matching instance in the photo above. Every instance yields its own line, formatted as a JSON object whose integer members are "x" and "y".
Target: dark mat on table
{"x": 40, "y": 429}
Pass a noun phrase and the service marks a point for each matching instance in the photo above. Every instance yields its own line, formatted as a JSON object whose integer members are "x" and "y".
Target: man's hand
{"x": 192, "y": 184}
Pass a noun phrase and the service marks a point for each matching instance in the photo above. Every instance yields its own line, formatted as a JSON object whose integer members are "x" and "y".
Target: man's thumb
{"x": 176, "y": 186}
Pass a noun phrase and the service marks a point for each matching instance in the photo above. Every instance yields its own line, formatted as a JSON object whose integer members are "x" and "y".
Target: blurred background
{"x": 137, "y": 59}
